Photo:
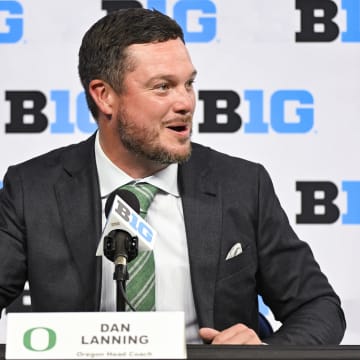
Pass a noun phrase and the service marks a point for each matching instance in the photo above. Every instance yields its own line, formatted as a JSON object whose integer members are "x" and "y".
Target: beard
{"x": 145, "y": 142}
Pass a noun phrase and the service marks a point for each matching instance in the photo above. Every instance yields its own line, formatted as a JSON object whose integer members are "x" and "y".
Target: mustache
{"x": 184, "y": 120}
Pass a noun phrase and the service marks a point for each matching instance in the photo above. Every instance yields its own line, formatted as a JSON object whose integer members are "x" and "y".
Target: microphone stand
{"x": 120, "y": 247}
{"x": 121, "y": 275}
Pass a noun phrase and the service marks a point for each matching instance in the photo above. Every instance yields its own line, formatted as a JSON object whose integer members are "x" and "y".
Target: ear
{"x": 103, "y": 95}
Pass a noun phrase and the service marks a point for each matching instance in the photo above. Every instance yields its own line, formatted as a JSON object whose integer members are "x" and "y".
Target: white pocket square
{"x": 234, "y": 251}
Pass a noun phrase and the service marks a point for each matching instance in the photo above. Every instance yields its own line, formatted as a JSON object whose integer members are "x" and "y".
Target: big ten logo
{"x": 318, "y": 202}
{"x": 318, "y": 23}
{"x": 27, "y": 113}
{"x": 11, "y": 21}
{"x": 290, "y": 111}
{"x": 197, "y": 18}
{"x": 135, "y": 221}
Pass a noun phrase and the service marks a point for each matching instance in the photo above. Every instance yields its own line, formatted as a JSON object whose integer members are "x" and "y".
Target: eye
{"x": 162, "y": 87}
{"x": 189, "y": 84}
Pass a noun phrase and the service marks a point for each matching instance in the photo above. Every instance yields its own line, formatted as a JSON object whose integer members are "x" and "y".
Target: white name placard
{"x": 96, "y": 335}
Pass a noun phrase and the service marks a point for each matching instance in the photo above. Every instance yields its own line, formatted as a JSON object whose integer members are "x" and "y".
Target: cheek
{"x": 193, "y": 101}
{"x": 143, "y": 108}
{"x": 148, "y": 110}
{"x": 157, "y": 109}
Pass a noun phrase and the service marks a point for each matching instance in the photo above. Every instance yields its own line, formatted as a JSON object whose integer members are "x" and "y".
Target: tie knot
{"x": 145, "y": 193}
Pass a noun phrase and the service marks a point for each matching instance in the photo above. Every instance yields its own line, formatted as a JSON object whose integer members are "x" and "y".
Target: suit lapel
{"x": 202, "y": 215}
{"x": 79, "y": 205}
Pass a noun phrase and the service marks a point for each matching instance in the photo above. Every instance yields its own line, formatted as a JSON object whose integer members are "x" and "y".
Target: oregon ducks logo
{"x": 45, "y": 345}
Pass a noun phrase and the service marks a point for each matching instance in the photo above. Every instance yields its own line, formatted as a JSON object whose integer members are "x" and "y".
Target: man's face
{"x": 156, "y": 106}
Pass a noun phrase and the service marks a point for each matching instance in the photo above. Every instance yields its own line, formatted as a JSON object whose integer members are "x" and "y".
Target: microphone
{"x": 119, "y": 242}
{"x": 119, "y": 246}
{"x": 122, "y": 214}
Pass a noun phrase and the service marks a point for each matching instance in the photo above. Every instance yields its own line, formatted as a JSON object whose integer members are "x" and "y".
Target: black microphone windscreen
{"x": 129, "y": 197}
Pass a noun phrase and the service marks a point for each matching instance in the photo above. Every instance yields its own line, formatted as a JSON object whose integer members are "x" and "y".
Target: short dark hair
{"x": 103, "y": 55}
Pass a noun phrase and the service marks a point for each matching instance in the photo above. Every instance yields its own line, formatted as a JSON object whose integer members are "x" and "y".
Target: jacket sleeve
{"x": 291, "y": 281}
{"x": 12, "y": 240}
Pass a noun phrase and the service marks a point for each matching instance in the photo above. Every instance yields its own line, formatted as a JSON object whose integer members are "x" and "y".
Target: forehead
{"x": 168, "y": 54}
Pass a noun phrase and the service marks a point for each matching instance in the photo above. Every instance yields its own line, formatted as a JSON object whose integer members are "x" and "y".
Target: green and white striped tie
{"x": 140, "y": 288}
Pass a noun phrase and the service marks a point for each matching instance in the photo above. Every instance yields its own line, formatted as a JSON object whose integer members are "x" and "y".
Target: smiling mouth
{"x": 178, "y": 128}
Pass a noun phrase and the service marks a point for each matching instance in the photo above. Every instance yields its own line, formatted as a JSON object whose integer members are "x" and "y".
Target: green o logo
{"x": 28, "y": 343}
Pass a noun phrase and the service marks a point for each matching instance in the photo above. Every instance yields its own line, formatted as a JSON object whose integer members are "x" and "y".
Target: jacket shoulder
{"x": 219, "y": 162}
{"x": 70, "y": 156}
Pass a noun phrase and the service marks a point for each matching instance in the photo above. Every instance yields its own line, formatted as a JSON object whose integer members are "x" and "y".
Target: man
{"x": 223, "y": 236}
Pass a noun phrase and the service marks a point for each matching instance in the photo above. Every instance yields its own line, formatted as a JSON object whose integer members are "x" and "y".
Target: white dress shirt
{"x": 165, "y": 215}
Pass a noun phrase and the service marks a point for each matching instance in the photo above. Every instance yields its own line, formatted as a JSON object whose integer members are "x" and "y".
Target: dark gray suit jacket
{"x": 50, "y": 224}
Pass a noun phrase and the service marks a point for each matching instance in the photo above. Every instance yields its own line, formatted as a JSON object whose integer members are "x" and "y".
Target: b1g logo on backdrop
{"x": 318, "y": 21}
{"x": 197, "y": 18}
{"x": 27, "y": 112}
{"x": 318, "y": 202}
{"x": 291, "y": 111}
{"x": 11, "y": 22}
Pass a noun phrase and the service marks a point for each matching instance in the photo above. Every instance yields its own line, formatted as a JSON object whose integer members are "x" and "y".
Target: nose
{"x": 184, "y": 101}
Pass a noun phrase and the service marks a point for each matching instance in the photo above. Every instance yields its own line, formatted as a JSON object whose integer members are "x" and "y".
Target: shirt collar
{"x": 111, "y": 177}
